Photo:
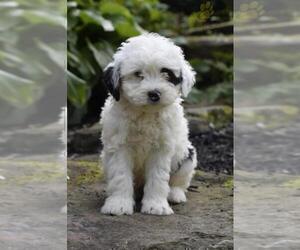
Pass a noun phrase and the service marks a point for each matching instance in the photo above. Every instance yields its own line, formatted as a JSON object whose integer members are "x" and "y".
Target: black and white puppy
{"x": 144, "y": 131}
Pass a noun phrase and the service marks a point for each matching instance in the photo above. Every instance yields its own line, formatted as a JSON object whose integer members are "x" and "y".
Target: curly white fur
{"x": 145, "y": 141}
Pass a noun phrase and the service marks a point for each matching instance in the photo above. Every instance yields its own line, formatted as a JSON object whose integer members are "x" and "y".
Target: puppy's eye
{"x": 139, "y": 74}
{"x": 170, "y": 76}
{"x": 165, "y": 75}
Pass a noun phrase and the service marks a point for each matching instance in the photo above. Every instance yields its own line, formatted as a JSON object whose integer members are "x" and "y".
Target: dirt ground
{"x": 272, "y": 150}
{"x": 32, "y": 194}
{"x": 266, "y": 211}
{"x": 204, "y": 222}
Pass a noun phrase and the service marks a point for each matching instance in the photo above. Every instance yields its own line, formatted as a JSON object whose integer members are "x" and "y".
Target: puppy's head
{"x": 149, "y": 70}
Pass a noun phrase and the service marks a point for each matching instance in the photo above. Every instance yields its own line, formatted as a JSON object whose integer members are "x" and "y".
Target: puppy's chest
{"x": 144, "y": 136}
{"x": 145, "y": 133}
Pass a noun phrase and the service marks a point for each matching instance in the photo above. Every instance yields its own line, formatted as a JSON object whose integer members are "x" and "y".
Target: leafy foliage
{"x": 96, "y": 29}
{"x": 32, "y": 61}
{"x": 32, "y": 49}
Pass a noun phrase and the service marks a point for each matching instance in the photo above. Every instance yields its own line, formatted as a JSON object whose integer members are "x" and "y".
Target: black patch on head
{"x": 189, "y": 157}
{"x": 172, "y": 77}
{"x": 113, "y": 88}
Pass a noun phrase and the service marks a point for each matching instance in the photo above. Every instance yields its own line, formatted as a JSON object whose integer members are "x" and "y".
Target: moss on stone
{"x": 25, "y": 172}
{"x": 219, "y": 116}
{"x": 87, "y": 172}
{"x": 292, "y": 183}
{"x": 229, "y": 183}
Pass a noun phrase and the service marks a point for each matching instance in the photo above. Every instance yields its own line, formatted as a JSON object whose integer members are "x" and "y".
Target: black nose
{"x": 154, "y": 95}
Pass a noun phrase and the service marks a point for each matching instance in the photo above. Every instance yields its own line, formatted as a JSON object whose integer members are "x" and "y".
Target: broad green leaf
{"x": 194, "y": 96}
{"x": 40, "y": 16}
{"x": 115, "y": 9}
{"x": 245, "y": 66}
{"x": 139, "y": 28}
{"x": 73, "y": 60}
{"x": 58, "y": 56}
{"x": 86, "y": 67}
{"x": 201, "y": 66}
{"x": 102, "y": 53}
{"x": 7, "y": 21}
{"x": 126, "y": 29}
{"x": 16, "y": 90}
{"x": 8, "y": 4}
{"x": 72, "y": 4}
{"x": 155, "y": 14}
{"x": 78, "y": 90}
{"x": 4, "y": 56}
{"x": 88, "y": 16}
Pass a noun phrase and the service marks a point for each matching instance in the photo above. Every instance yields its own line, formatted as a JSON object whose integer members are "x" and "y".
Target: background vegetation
{"x": 266, "y": 69}
{"x": 32, "y": 60}
{"x": 33, "y": 51}
{"x": 97, "y": 27}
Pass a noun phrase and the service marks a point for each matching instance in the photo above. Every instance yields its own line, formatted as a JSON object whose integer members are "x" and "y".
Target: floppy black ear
{"x": 112, "y": 81}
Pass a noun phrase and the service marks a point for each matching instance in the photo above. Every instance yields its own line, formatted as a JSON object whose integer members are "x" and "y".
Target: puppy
{"x": 144, "y": 131}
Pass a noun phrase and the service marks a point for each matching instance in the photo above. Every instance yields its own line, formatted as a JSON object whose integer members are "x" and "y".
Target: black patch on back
{"x": 189, "y": 157}
{"x": 191, "y": 154}
{"x": 112, "y": 87}
{"x": 172, "y": 77}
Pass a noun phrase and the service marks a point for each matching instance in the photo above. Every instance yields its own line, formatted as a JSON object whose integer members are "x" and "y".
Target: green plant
{"x": 22, "y": 41}
{"x": 96, "y": 28}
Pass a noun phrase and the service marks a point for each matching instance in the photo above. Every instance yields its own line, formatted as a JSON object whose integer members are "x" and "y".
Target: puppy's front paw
{"x": 118, "y": 206}
{"x": 176, "y": 195}
{"x": 156, "y": 207}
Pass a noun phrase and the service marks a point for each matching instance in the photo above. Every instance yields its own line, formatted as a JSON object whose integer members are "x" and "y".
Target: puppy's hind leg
{"x": 180, "y": 179}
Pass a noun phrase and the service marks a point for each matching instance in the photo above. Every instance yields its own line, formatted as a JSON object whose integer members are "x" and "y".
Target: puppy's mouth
{"x": 154, "y": 103}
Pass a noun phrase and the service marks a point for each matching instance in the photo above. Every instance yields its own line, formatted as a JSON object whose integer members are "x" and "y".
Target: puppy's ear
{"x": 188, "y": 75}
{"x": 112, "y": 80}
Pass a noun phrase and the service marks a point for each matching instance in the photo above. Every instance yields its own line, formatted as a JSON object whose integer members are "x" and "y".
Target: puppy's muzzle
{"x": 154, "y": 95}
